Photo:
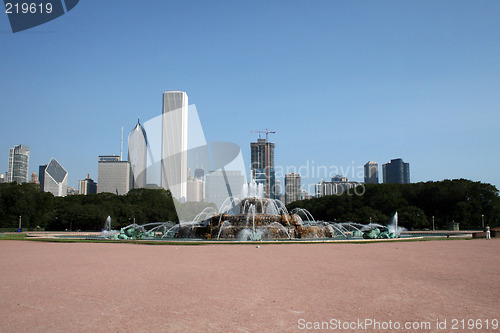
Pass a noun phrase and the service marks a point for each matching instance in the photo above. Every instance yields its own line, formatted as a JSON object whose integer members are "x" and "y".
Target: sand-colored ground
{"x": 89, "y": 287}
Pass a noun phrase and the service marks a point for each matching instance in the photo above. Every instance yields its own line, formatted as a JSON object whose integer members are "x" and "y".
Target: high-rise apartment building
{"x": 113, "y": 175}
{"x": 138, "y": 155}
{"x": 371, "y": 172}
{"x": 87, "y": 186}
{"x": 19, "y": 158}
{"x": 55, "y": 179}
{"x": 396, "y": 171}
{"x": 293, "y": 191}
{"x": 262, "y": 165}
{"x": 174, "y": 143}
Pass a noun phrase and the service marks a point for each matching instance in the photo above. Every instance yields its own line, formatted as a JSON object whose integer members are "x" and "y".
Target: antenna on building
{"x": 121, "y": 145}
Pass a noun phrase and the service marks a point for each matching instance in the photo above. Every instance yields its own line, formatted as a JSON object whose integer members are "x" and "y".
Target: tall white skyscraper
{"x": 138, "y": 155}
{"x": 19, "y": 158}
{"x": 174, "y": 143}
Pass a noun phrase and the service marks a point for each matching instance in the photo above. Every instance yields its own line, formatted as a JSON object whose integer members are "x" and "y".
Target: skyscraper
{"x": 174, "y": 143}
{"x": 41, "y": 175}
{"x": 87, "y": 186}
{"x": 293, "y": 190}
{"x": 113, "y": 175}
{"x": 195, "y": 190}
{"x": 137, "y": 155}
{"x": 371, "y": 172}
{"x": 55, "y": 179}
{"x": 19, "y": 158}
{"x": 262, "y": 165}
{"x": 396, "y": 171}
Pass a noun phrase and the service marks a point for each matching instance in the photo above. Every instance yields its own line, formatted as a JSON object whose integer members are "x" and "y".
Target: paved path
{"x": 91, "y": 287}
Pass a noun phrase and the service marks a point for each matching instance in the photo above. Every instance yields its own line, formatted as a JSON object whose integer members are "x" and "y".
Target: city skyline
{"x": 356, "y": 82}
{"x": 360, "y": 175}
{"x": 137, "y": 160}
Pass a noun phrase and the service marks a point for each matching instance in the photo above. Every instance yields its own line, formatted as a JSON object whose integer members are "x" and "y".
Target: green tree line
{"x": 462, "y": 201}
{"x": 458, "y": 200}
{"x": 81, "y": 212}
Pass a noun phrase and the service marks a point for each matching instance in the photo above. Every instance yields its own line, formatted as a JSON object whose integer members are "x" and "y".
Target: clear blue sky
{"x": 341, "y": 82}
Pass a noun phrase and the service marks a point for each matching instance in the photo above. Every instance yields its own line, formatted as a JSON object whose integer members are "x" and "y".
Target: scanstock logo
{"x": 26, "y": 14}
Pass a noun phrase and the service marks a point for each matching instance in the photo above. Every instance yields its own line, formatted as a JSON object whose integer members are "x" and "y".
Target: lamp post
{"x": 482, "y": 220}
{"x": 433, "y": 228}
{"x": 19, "y": 223}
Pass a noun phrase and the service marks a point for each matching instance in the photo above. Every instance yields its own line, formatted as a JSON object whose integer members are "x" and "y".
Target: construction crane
{"x": 267, "y": 133}
{"x": 267, "y": 162}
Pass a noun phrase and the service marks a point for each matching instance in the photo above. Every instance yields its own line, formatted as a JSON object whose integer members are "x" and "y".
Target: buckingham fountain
{"x": 254, "y": 218}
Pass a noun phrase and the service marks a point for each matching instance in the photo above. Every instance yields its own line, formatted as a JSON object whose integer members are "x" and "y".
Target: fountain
{"x": 106, "y": 232}
{"x": 377, "y": 231}
{"x": 254, "y": 218}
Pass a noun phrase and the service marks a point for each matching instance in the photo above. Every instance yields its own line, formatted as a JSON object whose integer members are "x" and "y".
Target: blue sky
{"x": 341, "y": 82}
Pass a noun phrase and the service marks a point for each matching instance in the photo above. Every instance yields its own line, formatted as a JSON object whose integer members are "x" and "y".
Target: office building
{"x": 371, "y": 172}
{"x": 2, "y": 178}
{"x": 262, "y": 165}
{"x": 41, "y": 175}
{"x": 336, "y": 186}
{"x": 293, "y": 191}
{"x": 137, "y": 155}
{"x": 113, "y": 175}
{"x": 87, "y": 186}
{"x": 195, "y": 190}
{"x": 396, "y": 171}
{"x": 174, "y": 143}
{"x": 218, "y": 187}
{"x": 55, "y": 179}
{"x": 19, "y": 158}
